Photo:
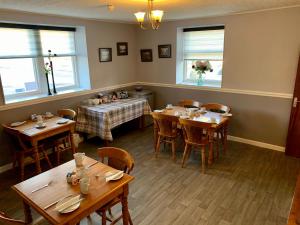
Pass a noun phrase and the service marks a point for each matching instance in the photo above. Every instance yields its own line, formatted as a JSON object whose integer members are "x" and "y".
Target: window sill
{"x": 205, "y": 84}
{"x": 41, "y": 96}
{"x": 31, "y": 100}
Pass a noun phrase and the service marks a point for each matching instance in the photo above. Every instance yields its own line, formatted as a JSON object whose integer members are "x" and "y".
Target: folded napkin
{"x": 113, "y": 175}
{"x": 61, "y": 207}
{"x": 159, "y": 110}
{"x": 62, "y": 121}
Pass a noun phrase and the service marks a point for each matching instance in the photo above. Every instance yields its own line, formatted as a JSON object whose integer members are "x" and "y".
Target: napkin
{"x": 113, "y": 176}
{"x": 71, "y": 201}
{"x": 158, "y": 110}
{"x": 62, "y": 121}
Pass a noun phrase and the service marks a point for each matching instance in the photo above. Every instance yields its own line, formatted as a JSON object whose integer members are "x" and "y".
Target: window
{"x": 23, "y": 54}
{"x": 204, "y": 43}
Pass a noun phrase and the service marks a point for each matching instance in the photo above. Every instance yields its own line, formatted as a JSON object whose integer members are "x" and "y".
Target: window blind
{"x": 32, "y": 43}
{"x": 203, "y": 44}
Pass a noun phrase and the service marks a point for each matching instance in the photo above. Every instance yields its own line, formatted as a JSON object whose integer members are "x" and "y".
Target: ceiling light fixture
{"x": 154, "y": 16}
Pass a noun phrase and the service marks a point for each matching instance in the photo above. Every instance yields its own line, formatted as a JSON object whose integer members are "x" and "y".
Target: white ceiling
{"x": 124, "y": 9}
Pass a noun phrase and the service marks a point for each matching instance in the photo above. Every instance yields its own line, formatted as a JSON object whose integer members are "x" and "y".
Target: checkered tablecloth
{"x": 100, "y": 119}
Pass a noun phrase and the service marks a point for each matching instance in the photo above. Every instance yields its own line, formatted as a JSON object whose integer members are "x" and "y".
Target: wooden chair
{"x": 189, "y": 103}
{"x": 195, "y": 134}
{"x": 62, "y": 142}
{"x": 67, "y": 113}
{"x": 218, "y": 108}
{"x": 25, "y": 151}
{"x": 167, "y": 131}
{"x": 120, "y": 160}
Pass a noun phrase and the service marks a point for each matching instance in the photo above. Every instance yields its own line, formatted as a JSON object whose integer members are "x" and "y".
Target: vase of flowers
{"x": 47, "y": 69}
{"x": 201, "y": 66}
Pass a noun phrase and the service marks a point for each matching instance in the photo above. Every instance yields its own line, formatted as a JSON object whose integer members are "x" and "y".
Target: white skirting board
{"x": 231, "y": 138}
{"x": 257, "y": 143}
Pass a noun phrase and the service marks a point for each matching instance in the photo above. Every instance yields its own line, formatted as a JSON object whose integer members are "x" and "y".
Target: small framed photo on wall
{"x": 122, "y": 48}
{"x": 146, "y": 55}
{"x": 164, "y": 51}
{"x": 105, "y": 54}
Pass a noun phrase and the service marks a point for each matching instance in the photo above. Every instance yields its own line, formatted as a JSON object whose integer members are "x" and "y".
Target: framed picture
{"x": 164, "y": 51}
{"x": 105, "y": 54}
{"x": 146, "y": 55}
{"x": 122, "y": 48}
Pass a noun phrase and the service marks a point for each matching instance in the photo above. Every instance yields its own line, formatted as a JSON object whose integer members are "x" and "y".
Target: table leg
{"x": 27, "y": 213}
{"x": 125, "y": 211}
{"x": 36, "y": 157}
{"x": 225, "y": 130}
{"x": 211, "y": 146}
{"x": 155, "y": 135}
{"x": 142, "y": 122}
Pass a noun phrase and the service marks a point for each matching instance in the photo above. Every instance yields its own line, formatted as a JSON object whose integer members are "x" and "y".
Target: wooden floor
{"x": 248, "y": 186}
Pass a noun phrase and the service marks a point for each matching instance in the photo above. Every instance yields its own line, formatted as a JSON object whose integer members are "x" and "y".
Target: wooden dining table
{"x": 218, "y": 122}
{"x": 29, "y": 132}
{"x": 100, "y": 192}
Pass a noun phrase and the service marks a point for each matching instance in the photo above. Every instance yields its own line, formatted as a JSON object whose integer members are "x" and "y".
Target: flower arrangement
{"x": 48, "y": 68}
{"x": 201, "y": 66}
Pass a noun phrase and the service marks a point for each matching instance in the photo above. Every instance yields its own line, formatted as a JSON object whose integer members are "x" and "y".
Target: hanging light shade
{"x": 140, "y": 16}
{"x": 154, "y": 16}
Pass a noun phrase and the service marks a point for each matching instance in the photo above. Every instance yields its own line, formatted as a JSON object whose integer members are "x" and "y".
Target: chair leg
{"x": 203, "y": 158}
{"x": 185, "y": 154}
{"x": 57, "y": 152}
{"x": 173, "y": 150}
{"x": 110, "y": 213}
{"x": 21, "y": 165}
{"x": 103, "y": 216}
{"x": 157, "y": 146}
{"x": 223, "y": 141}
{"x": 46, "y": 157}
{"x": 218, "y": 143}
{"x": 130, "y": 221}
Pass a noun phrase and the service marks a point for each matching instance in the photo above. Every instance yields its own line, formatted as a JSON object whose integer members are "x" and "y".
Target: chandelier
{"x": 154, "y": 16}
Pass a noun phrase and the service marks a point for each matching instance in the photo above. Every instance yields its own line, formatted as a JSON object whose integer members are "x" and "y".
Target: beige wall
{"x": 260, "y": 53}
{"x": 98, "y": 34}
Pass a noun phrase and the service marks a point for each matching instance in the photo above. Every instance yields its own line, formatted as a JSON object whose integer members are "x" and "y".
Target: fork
{"x": 46, "y": 185}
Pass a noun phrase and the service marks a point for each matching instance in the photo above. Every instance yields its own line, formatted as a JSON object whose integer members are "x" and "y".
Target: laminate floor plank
{"x": 247, "y": 186}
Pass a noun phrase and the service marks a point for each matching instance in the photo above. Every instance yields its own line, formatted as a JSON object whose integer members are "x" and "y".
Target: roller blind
{"x": 203, "y": 43}
{"x": 30, "y": 41}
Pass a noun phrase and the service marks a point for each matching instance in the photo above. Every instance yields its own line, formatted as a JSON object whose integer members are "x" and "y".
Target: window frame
{"x": 38, "y": 63}
{"x": 183, "y": 69}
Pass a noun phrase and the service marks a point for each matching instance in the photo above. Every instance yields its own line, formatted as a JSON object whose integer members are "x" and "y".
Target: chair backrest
{"x": 167, "y": 124}
{"x": 189, "y": 103}
{"x": 67, "y": 113}
{"x": 216, "y": 107}
{"x": 117, "y": 158}
{"x": 195, "y": 132}
{"x": 7, "y": 220}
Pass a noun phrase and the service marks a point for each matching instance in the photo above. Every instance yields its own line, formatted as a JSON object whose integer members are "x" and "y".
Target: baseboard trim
{"x": 7, "y": 167}
{"x": 222, "y": 90}
{"x": 257, "y": 143}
